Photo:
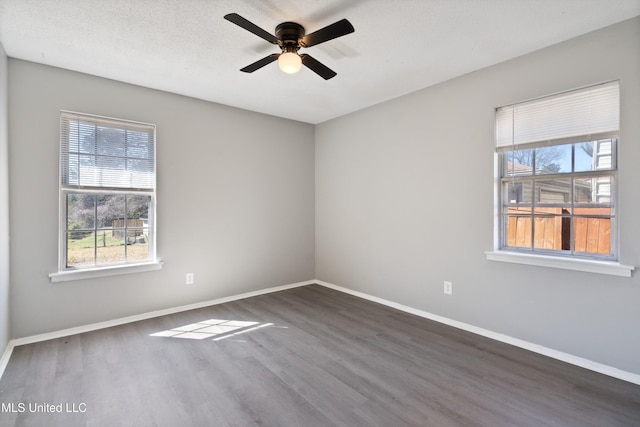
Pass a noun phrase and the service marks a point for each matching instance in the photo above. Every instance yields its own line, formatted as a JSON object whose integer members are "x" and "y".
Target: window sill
{"x": 70, "y": 275}
{"x": 590, "y": 266}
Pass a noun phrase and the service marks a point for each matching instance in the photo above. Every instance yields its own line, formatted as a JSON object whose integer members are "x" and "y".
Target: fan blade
{"x": 251, "y": 27}
{"x": 330, "y": 32}
{"x": 260, "y": 63}
{"x": 317, "y": 67}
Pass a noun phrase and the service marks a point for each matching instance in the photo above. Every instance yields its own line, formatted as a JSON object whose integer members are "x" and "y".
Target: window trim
{"x": 65, "y": 273}
{"x": 577, "y": 264}
{"x": 111, "y": 270}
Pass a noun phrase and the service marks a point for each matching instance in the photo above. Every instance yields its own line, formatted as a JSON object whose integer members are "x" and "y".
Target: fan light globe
{"x": 290, "y": 62}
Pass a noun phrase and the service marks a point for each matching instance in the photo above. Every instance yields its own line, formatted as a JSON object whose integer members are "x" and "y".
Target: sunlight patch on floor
{"x": 216, "y": 329}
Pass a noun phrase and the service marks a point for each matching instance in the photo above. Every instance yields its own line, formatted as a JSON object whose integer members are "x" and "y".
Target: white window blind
{"x": 588, "y": 111}
{"x": 97, "y": 152}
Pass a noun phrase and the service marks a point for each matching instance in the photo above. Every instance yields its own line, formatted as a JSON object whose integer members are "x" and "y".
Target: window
{"x": 559, "y": 198}
{"x": 107, "y": 192}
{"x": 557, "y": 173}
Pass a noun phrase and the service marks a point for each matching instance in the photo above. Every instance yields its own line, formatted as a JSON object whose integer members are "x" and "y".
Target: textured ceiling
{"x": 186, "y": 47}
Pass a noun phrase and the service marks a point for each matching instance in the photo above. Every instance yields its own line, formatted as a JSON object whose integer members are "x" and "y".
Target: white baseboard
{"x": 4, "y": 360}
{"x": 555, "y": 354}
{"x": 148, "y": 315}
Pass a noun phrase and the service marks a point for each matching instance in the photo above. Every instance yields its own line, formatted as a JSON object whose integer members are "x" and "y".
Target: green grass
{"x": 105, "y": 238}
{"x": 110, "y": 249}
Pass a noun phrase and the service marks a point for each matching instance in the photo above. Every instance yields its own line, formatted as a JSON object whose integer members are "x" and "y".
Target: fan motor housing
{"x": 289, "y": 33}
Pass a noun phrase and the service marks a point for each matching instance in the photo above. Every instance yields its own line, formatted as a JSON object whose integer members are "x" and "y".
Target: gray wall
{"x": 235, "y": 200}
{"x": 4, "y": 206}
{"x": 404, "y": 201}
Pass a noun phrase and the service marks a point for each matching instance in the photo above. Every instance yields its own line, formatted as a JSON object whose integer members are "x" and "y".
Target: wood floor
{"x": 308, "y": 356}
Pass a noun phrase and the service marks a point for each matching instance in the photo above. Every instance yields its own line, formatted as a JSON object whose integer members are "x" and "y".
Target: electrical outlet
{"x": 189, "y": 279}
{"x": 448, "y": 288}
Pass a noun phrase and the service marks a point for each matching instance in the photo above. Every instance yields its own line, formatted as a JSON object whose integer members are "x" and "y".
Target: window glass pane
{"x": 554, "y": 159}
{"x": 518, "y": 227}
{"x": 592, "y": 235}
{"x": 138, "y": 228}
{"x": 553, "y": 191}
{"x": 517, "y": 192}
{"x": 552, "y": 229}
{"x": 519, "y": 231}
{"x": 110, "y": 246}
{"x": 80, "y": 211}
{"x": 604, "y": 154}
{"x": 138, "y": 244}
{"x": 584, "y": 156}
{"x": 80, "y": 248}
{"x": 111, "y": 234}
{"x": 111, "y": 211}
{"x": 593, "y": 190}
{"x": 138, "y": 207}
{"x": 518, "y": 162}
{"x": 595, "y": 155}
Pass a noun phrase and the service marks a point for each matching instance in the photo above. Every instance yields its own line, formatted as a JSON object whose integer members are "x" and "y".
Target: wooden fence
{"x": 553, "y": 231}
{"x": 134, "y": 228}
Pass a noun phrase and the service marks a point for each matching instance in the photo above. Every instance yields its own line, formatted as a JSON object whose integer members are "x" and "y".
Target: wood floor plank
{"x": 313, "y": 357}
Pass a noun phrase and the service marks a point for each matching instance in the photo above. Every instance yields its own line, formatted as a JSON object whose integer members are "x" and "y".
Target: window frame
{"x": 150, "y": 263}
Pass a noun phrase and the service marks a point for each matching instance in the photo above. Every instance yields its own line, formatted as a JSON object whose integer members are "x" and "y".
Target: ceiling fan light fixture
{"x": 291, "y": 36}
{"x": 290, "y": 62}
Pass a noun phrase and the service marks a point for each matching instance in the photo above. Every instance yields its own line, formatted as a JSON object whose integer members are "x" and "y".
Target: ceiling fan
{"x": 290, "y": 37}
